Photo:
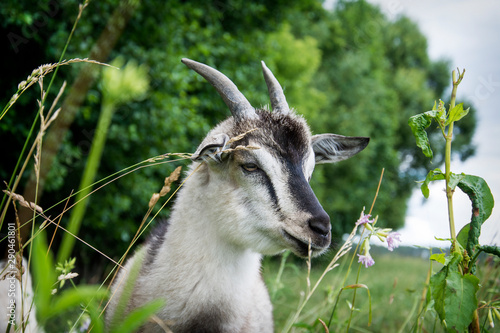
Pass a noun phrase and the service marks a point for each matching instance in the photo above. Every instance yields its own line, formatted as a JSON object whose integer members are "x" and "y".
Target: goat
{"x": 240, "y": 204}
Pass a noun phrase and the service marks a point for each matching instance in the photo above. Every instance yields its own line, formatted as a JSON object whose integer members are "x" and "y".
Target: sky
{"x": 468, "y": 34}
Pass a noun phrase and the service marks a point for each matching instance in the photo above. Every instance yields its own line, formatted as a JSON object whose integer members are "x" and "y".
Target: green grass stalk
{"x": 88, "y": 177}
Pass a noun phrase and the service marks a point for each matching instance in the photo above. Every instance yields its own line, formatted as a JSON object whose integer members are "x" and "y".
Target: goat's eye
{"x": 250, "y": 167}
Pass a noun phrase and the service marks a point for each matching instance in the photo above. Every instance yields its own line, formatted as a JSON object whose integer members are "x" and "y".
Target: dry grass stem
{"x": 48, "y": 220}
{"x": 324, "y": 325}
{"x": 346, "y": 247}
{"x": 19, "y": 198}
{"x": 161, "y": 323}
{"x": 241, "y": 136}
{"x": 166, "y": 187}
{"x": 38, "y": 74}
{"x": 168, "y": 181}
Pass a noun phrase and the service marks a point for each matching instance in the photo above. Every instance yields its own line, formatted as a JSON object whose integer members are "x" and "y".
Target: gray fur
{"x": 237, "y": 206}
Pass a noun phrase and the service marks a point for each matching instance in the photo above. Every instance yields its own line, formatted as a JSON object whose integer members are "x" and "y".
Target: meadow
{"x": 396, "y": 283}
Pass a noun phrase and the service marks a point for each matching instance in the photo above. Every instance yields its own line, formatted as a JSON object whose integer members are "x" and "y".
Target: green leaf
{"x": 418, "y": 124}
{"x": 454, "y": 295}
{"x": 433, "y": 175}
{"x": 364, "y": 286}
{"x": 128, "y": 288}
{"x": 44, "y": 276}
{"x": 74, "y": 297}
{"x": 463, "y": 235}
{"x": 457, "y": 113}
{"x": 139, "y": 316}
{"x": 439, "y": 257}
{"x": 491, "y": 249}
{"x": 482, "y": 204}
{"x": 455, "y": 179}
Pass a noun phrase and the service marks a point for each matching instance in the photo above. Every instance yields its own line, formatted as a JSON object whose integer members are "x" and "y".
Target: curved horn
{"x": 234, "y": 99}
{"x": 278, "y": 100}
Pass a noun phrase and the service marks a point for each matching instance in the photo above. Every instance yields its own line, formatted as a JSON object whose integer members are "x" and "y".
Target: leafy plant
{"x": 453, "y": 290}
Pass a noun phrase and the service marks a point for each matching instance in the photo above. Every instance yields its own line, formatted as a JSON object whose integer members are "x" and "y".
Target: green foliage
{"x": 454, "y": 288}
{"x": 375, "y": 74}
{"x": 482, "y": 204}
{"x": 120, "y": 85}
{"x": 392, "y": 282}
{"x": 50, "y": 305}
{"x": 137, "y": 317}
{"x": 418, "y": 125}
{"x": 454, "y": 295}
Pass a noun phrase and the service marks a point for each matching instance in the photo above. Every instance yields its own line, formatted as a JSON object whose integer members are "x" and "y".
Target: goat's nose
{"x": 320, "y": 224}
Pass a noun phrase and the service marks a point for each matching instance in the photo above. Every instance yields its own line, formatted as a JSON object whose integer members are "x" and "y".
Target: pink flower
{"x": 363, "y": 219}
{"x": 393, "y": 240}
{"x": 366, "y": 260}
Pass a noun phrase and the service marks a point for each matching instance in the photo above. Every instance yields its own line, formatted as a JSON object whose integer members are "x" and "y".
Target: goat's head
{"x": 266, "y": 190}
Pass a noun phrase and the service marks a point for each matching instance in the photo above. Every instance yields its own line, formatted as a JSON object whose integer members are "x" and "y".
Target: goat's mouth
{"x": 301, "y": 247}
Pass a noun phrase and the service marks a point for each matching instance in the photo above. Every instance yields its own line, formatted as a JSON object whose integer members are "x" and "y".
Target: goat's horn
{"x": 234, "y": 99}
{"x": 278, "y": 100}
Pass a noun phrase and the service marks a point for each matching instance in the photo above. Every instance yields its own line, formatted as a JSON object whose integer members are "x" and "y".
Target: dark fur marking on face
{"x": 285, "y": 134}
{"x": 303, "y": 194}
{"x": 272, "y": 192}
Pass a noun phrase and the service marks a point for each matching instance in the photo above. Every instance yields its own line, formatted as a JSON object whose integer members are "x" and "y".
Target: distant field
{"x": 395, "y": 284}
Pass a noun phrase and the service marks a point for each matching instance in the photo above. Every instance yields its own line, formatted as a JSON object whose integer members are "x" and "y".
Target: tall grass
{"x": 395, "y": 284}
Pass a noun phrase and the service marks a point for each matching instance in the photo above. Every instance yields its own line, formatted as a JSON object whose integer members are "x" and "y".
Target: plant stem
{"x": 91, "y": 167}
{"x": 447, "y": 161}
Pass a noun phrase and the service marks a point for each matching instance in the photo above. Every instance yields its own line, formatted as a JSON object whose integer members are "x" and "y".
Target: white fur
{"x": 226, "y": 217}
{"x": 10, "y": 293}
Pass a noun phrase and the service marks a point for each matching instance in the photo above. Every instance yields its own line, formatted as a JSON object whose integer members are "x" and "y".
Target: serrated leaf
{"x": 457, "y": 113}
{"x": 418, "y": 124}
{"x": 454, "y": 295}
{"x": 482, "y": 205}
{"x": 433, "y": 175}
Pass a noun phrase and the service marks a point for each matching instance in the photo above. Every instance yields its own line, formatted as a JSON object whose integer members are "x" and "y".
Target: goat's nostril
{"x": 321, "y": 226}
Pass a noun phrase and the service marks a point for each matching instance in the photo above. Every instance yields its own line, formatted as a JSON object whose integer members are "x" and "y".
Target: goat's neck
{"x": 199, "y": 256}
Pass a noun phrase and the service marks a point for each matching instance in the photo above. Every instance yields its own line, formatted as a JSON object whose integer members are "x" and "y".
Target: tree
{"x": 376, "y": 74}
{"x": 350, "y": 71}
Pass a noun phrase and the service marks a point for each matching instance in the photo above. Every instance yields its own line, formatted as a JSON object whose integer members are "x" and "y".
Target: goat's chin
{"x": 305, "y": 248}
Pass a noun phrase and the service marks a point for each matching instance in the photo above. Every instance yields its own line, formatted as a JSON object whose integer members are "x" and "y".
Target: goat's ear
{"x": 211, "y": 148}
{"x": 330, "y": 148}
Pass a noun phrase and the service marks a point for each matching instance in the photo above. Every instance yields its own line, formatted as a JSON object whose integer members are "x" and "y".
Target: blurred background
{"x": 356, "y": 68}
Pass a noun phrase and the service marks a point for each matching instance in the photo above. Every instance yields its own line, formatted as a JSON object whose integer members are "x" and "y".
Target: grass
{"x": 395, "y": 283}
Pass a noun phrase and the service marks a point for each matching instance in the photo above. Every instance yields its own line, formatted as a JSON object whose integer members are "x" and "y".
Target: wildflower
{"x": 67, "y": 276}
{"x": 382, "y": 233}
{"x": 364, "y": 219}
{"x": 85, "y": 325}
{"x": 393, "y": 240}
{"x": 366, "y": 260}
